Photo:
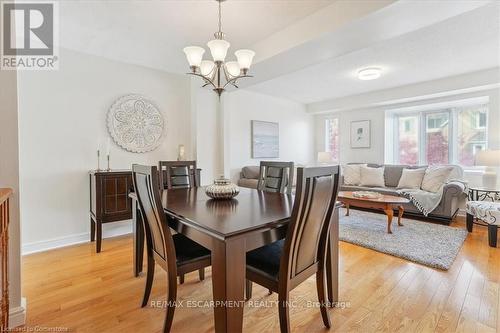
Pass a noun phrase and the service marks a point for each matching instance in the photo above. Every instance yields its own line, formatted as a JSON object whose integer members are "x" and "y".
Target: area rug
{"x": 422, "y": 242}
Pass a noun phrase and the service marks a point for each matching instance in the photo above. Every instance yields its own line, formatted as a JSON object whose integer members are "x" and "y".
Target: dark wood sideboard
{"x": 109, "y": 200}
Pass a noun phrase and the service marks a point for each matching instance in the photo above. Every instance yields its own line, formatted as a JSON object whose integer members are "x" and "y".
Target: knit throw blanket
{"x": 425, "y": 201}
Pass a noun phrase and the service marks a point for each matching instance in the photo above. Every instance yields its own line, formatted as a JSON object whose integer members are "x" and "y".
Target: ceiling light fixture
{"x": 215, "y": 72}
{"x": 369, "y": 73}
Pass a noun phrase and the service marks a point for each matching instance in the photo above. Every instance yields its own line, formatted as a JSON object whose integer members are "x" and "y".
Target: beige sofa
{"x": 249, "y": 176}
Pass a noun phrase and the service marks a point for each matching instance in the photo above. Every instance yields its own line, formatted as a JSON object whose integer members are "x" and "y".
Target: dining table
{"x": 229, "y": 229}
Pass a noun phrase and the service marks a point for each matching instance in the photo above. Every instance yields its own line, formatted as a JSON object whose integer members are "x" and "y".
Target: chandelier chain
{"x": 220, "y": 17}
{"x": 215, "y": 72}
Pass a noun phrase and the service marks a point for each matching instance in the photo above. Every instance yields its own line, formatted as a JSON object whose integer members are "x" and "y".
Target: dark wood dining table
{"x": 231, "y": 228}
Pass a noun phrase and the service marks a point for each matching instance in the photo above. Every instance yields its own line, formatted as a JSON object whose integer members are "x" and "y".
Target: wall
{"x": 374, "y": 154}
{"x": 295, "y": 125}
{"x": 9, "y": 177}
{"x": 204, "y": 111}
{"x": 62, "y": 116}
{"x": 372, "y": 106}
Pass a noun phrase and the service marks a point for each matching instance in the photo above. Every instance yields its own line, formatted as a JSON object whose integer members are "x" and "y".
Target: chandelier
{"x": 219, "y": 73}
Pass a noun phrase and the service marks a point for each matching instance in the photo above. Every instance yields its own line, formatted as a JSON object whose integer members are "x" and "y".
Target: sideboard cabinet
{"x": 109, "y": 200}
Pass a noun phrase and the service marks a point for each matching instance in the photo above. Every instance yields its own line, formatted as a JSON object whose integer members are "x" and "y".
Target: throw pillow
{"x": 372, "y": 176}
{"x": 435, "y": 177}
{"x": 352, "y": 174}
{"x": 411, "y": 178}
{"x": 251, "y": 172}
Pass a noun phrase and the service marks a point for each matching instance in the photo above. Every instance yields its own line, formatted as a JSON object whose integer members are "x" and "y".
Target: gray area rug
{"x": 425, "y": 243}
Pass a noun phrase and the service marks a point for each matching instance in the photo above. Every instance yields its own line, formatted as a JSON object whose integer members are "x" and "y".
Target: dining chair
{"x": 178, "y": 174}
{"x": 176, "y": 254}
{"x": 285, "y": 264}
{"x": 276, "y": 177}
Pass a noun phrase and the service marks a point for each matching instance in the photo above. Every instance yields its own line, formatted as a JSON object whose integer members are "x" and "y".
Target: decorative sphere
{"x": 222, "y": 189}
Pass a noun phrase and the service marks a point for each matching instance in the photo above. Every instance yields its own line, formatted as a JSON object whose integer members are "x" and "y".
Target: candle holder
{"x": 109, "y": 168}
{"x": 98, "y": 160}
{"x": 181, "y": 153}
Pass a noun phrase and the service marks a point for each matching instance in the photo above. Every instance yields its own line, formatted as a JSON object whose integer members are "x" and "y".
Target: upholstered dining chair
{"x": 283, "y": 265}
{"x": 176, "y": 254}
{"x": 178, "y": 174}
{"x": 276, "y": 177}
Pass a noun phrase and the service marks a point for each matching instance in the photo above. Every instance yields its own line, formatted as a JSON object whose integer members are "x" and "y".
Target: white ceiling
{"x": 153, "y": 33}
{"x": 464, "y": 43}
{"x": 307, "y": 50}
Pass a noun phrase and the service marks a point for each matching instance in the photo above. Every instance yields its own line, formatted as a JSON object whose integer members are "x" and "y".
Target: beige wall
{"x": 374, "y": 154}
{"x": 62, "y": 117}
{"x": 376, "y": 115}
{"x": 373, "y": 106}
{"x": 9, "y": 177}
{"x": 296, "y": 136}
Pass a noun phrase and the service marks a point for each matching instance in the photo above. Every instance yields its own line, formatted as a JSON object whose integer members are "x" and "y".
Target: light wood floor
{"x": 76, "y": 288}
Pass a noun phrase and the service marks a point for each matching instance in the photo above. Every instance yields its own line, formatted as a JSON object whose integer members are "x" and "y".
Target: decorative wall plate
{"x": 135, "y": 124}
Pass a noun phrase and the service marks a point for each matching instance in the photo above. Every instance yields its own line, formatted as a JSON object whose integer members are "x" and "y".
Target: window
{"x": 451, "y": 135}
{"x": 332, "y": 137}
{"x": 436, "y": 121}
{"x": 479, "y": 119}
{"x": 408, "y": 125}
{"x": 408, "y": 140}
{"x": 437, "y": 148}
{"x": 471, "y": 133}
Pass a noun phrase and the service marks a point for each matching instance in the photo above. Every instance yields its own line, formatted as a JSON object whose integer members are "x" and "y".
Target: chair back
{"x": 276, "y": 177}
{"x": 158, "y": 236}
{"x": 307, "y": 235}
{"x": 178, "y": 174}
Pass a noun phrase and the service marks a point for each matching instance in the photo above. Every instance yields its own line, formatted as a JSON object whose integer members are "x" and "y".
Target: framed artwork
{"x": 265, "y": 139}
{"x": 360, "y": 134}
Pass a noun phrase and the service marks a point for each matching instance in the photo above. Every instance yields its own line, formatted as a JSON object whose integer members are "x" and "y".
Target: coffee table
{"x": 385, "y": 202}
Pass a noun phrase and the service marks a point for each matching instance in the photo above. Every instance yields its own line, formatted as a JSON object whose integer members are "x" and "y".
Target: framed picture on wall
{"x": 360, "y": 134}
{"x": 265, "y": 139}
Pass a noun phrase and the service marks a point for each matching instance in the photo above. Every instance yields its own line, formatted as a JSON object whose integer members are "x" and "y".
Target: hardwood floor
{"x": 83, "y": 291}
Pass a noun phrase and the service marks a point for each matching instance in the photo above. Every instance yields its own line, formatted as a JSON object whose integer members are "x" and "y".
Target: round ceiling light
{"x": 369, "y": 73}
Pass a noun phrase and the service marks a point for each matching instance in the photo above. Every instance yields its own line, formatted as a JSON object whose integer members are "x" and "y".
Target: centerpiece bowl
{"x": 222, "y": 189}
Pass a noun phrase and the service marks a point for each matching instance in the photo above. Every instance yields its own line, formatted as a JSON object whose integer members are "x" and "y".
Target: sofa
{"x": 249, "y": 176}
{"x": 453, "y": 198}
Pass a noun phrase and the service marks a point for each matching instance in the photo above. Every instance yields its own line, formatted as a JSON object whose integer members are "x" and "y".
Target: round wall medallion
{"x": 135, "y": 124}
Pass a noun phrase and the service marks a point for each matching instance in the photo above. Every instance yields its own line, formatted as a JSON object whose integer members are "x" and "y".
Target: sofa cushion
{"x": 383, "y": 190}
{"x": 411, "y": 178}
{"x": 435, "y": 178}
{"x": 251, "y": 172}
{"x": 392, "y": 174}
{"x": 372, "y": 176}
{"x": 352, "y": 174}
{"x": 249, "y": 183}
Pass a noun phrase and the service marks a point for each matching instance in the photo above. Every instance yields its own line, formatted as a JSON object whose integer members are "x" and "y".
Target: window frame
{"x": 453, "y": 110}
{"x": 326, "y": 145}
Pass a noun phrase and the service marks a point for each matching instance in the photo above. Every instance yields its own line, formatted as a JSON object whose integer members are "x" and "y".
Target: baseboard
{"x": 17, "y": 315}
{"x": 108, "y": 230}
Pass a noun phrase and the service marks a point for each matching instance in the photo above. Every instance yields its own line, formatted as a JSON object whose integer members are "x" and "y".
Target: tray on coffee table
{"x": 384, "y": 202}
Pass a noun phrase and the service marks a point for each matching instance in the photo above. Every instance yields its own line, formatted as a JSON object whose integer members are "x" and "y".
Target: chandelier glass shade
{"x": 218, "y": 73}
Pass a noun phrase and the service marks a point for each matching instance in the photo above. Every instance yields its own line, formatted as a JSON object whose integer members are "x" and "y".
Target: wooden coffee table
{"x": 387, "y": 203}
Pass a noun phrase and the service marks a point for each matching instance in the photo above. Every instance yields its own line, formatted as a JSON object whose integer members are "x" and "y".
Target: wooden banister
{"x": 5, "y": 194}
